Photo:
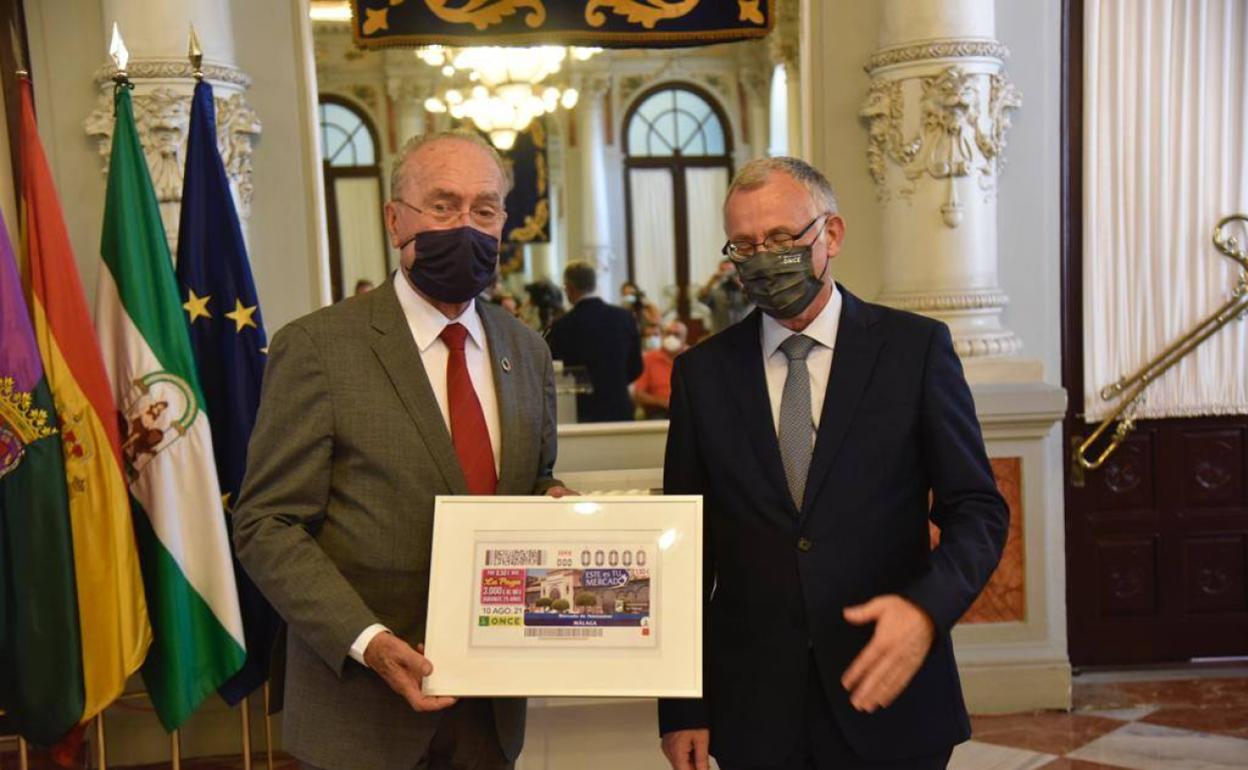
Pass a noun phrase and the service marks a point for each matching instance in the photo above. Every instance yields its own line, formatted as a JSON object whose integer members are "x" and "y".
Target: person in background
{"x": 603, "y": 339}
{"x": 633, "y": 299}
{"x": 651, "y": 337}
{"x": 363, "y": 285}
{"x": 724, "y": 297}
{"x": 653, "y": 389}
{"x": 543, "y": 307}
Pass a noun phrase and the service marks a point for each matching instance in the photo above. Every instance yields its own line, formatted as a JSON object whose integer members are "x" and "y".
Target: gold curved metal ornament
{"x": 1128, "y": 390}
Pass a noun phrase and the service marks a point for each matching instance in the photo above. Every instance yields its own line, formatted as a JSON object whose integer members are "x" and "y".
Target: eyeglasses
{"x": 481, "y": 214}
{"x": 776, "y": 243}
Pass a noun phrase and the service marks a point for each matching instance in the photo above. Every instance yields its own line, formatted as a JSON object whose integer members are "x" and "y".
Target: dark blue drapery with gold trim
{"x": 606, "y": 23}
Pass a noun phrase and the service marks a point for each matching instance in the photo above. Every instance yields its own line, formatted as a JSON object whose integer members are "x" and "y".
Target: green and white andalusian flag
{"x": 166, "y": 442}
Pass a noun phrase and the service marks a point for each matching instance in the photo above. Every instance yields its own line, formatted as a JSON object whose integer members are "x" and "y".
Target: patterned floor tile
{"x": 974, "y": 755}
{"x": 1232, "y": 720}
{"x": 1066, "y": 763}
{"x": 1143, "y": 746}
{"x": 1049, "y": 732}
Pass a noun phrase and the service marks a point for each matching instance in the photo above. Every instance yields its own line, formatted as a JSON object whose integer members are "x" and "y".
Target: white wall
{"x": 289, "y": 257}
{"x": 67, "y": 46}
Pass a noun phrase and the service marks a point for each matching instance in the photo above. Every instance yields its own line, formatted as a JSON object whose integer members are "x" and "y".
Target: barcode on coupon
{"x": 564, "y": 633}
{"x": 515, "y": 557}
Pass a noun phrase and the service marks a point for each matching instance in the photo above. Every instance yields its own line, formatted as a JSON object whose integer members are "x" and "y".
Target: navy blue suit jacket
{"x": 898, "y": 423}
{"x": 604, "y": 339}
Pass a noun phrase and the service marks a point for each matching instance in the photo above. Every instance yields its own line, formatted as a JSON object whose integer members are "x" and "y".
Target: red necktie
{"x": 468, "y": 430}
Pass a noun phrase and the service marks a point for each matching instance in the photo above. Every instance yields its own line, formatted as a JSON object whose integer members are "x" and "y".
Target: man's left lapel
{"x": 853, "y": 360}
{"x": 503, "y": 364}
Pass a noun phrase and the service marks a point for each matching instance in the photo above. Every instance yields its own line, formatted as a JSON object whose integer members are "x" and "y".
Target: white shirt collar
{"x": 822, "y": 329}
{"x": 427, "y": 322}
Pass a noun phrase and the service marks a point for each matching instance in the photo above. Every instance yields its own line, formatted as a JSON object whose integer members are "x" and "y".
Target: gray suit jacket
{"x": 335, "y": 517}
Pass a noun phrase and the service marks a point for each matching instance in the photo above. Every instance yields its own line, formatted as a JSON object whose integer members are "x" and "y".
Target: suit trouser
{"x": 465, "y": 740}
{"x": 823, "y": 746}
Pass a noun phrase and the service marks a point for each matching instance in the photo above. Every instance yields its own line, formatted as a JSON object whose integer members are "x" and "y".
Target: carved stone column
{"x": 595, "y": 205}
{"x": 156, "y": 36}
{"x": 937, "y": 112}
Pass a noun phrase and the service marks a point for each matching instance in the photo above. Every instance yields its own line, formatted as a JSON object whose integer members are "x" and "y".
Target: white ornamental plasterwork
{"x": 161, "y": 116}
{"x": 958, "y": 135}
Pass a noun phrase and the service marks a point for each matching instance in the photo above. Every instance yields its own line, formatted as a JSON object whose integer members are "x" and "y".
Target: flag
{"x": 227, "y": 334}
{"x": 112, "y": 610}
{"x": 40, "y": 652}
{"x": 166, "y": 443}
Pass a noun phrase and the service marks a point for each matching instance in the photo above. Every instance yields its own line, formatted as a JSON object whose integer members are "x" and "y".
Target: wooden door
{"x": 1157, "y": 538}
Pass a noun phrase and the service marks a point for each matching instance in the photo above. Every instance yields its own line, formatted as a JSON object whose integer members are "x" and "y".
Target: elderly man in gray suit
{"x": 370, "y": 408}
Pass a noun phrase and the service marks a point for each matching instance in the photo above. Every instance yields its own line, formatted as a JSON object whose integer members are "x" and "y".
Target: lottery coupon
{"x": 564, "y": 594}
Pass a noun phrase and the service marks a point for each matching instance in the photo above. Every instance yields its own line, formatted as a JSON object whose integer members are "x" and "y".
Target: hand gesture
{"x": 903, "y": 635}
{"x": 688, "y": 749}
{"x": 404, "y": 669}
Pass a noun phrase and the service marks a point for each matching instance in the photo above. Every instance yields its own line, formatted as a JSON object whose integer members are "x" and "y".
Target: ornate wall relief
{"x": 162, "y": 110}
{"x": 959, "y": 132}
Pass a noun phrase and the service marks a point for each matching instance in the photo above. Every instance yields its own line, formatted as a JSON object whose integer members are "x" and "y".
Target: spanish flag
{"x": 112, "y": 609}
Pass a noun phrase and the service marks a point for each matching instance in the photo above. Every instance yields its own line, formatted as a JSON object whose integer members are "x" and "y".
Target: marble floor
{"x": 1140, "y": 720}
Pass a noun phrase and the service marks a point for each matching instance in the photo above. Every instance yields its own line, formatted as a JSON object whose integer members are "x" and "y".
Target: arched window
{"x": 346, "y": 135}
{"x": 678, "y": 161}
{"x": 354, "y": 194}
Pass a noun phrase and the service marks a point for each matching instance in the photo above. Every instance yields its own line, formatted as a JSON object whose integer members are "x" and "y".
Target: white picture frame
{"x": 627, "y": 630}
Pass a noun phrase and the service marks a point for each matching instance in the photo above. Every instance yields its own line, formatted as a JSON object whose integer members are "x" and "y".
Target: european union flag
{"x": 228, "y": 336}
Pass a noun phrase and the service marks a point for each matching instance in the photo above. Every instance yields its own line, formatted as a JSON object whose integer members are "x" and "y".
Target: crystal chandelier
{"x": 501, "y": 89}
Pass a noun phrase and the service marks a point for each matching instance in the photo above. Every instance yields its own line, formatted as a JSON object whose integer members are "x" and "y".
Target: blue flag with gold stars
{"x": 228, "y": 336}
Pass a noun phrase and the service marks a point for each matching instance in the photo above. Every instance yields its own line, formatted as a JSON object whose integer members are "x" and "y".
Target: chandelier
{"x": 501, "y": 89}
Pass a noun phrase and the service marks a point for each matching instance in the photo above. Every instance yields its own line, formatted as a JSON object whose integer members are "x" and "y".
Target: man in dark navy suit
{"x": 824, "y": 432}
{"x": 602, "y": 338}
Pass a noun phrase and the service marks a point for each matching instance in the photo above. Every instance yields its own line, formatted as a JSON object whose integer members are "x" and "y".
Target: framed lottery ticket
{"x": 580, "y": 596}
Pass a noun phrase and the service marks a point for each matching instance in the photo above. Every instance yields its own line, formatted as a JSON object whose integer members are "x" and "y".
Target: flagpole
{"x": 100, "y": 754}
{"x": 268, "y": 728}
{"x": 245, "y": 705}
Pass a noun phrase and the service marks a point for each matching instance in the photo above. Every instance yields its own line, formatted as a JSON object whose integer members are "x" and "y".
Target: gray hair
{"x": 754, "y": 174}
{"x": 397, "y": 175}
{"x": 581, "y": 275}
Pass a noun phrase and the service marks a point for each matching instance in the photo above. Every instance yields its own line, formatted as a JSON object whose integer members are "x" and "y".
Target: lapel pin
{"x": 506, "y": 364}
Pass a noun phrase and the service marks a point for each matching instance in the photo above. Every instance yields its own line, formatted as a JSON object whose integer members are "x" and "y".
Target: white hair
{"x": 754, "y": 174}
{"x": 398, "y": 174}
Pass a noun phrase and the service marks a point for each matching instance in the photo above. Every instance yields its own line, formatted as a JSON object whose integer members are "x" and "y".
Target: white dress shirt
{"x": 818, "y": 362}
{"x": 426, "y": 323}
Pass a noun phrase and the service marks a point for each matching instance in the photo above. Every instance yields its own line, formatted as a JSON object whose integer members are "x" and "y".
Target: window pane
{"x": 714, "y": 133}
{"x": 693, "y": 104}
{"x": 687, "y": 131}
{"x": 364, "y": 148}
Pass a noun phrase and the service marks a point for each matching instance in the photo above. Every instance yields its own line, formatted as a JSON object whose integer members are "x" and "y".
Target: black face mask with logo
{"x": 453, "y": 265}
{"x": 781, "y": 285}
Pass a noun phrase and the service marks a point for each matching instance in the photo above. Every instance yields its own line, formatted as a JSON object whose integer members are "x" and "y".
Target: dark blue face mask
{"x": 453, "y": 265}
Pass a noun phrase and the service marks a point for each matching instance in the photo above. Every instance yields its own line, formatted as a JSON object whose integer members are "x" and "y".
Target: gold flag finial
{"x": 196, "y": 54}
{"x": 121, "y": 57}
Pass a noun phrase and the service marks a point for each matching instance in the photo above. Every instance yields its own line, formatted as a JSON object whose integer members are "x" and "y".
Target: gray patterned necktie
{"x": 797, "y": 427}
